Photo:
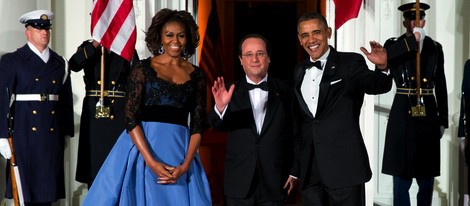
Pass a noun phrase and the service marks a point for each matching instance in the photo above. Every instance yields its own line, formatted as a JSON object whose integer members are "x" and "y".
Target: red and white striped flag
{"x": 113, "y": 25}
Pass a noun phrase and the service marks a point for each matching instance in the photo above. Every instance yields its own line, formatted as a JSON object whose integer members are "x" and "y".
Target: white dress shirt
{"x": 310, "y": 87}
{"x": 258, "y": 98}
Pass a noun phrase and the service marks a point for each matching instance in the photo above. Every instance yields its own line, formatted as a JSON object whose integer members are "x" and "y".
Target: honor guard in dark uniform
{"x": 464, "y": 123}
{"x": 417, "y": 121}
{"x": 99, "y": 130}
{"x": 39, "y": 80}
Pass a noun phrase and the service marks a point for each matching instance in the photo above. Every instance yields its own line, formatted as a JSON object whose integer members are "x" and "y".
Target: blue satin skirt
{"x": 125, "y": 180}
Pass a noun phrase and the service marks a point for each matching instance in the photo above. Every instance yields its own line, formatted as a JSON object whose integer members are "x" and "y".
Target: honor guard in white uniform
{"x": 42, "y": 109}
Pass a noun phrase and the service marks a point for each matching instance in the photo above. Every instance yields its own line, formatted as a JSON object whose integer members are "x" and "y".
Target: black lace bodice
{"x": 150, "y": 98}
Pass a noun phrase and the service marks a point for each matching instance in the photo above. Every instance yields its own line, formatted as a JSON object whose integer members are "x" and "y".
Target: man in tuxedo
{"x": 331, "y": 158}
{"x": 255, "y": 111}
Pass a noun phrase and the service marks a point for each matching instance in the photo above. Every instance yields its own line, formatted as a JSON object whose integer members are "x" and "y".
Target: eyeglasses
{"x": 257, "y": 54}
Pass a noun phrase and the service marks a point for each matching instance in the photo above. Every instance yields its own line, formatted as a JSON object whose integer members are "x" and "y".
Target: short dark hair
{"x": 312, "y": 15}
{"x": 153, "y": 37}
{"x": 258, "y": 36}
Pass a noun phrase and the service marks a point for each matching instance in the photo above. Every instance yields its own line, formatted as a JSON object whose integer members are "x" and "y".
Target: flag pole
{"x": 336, "y": 32}
{"x": 101, "y": 110}
{"x": 419, "y": 110}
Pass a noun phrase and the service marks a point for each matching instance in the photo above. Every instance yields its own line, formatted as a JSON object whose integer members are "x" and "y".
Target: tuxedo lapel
{"x": 241, "y": 100}
{"x": 272, "y": 104}
{"x": 299, "y": 75}
{"x": 328, "y": 75}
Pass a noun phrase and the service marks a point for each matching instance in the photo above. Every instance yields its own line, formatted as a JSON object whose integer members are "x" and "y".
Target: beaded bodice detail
{"x": 151, "y": 98}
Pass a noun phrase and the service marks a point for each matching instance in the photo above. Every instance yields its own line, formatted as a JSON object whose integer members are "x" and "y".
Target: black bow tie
{"x": 310, "y": 64}
{"x": 262, "y": 85}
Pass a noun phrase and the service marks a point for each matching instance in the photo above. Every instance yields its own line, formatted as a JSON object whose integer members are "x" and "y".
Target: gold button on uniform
{"x": 52, "y": 112}
{"x": 34, "y": 129}
{"x": 51, "y": 129}
{"x": 37, "y": 79}
{"x": 425, "y": 80}
{"x": 113, "y": 82}
{"x": 53, "y": 81}
{"x": 99, "y": 82}
{"x": 35, "y": 112}
{"x": 412, "y": 78}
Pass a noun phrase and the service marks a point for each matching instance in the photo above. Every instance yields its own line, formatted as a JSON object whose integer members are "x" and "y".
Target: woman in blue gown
{"x": 155, "y": 162}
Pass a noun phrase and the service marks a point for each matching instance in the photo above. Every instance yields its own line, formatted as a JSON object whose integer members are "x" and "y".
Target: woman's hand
{"x": 164, "y": 172}
{"x": 179, "y": 171}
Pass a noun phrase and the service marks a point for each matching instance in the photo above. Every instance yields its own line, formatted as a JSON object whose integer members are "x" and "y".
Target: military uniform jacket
{"x": 464, "y": 123}
{"x": 39, "y": 126}
{"x": 412, "y": 145}
{"x": 97, "y": 136}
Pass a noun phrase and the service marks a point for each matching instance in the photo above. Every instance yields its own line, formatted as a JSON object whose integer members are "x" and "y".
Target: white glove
{"x": 462, "y": 145}
{"x": 422, "y": 34}
{"x": 66, "y": 141}
{"x": 5, "y": 150}
{"x": 443, "y": 129}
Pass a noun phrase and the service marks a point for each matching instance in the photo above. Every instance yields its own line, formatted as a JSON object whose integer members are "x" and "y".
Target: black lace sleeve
{"x": 198, "y": 111}
{"x": 134, "y": 96}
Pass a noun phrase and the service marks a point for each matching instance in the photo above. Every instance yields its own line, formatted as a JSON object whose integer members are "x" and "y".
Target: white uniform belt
{"x": 37, "y": 97}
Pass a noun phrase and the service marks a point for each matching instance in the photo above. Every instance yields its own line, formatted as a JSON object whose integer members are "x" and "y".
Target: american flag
{"x": 113, "y": 25}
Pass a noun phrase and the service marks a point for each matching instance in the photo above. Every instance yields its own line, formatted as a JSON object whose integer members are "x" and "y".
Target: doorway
{"x": 275, "y": 21}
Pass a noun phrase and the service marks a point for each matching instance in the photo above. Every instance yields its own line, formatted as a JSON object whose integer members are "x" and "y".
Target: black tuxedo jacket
{"x": 333, "y": 134}
{"x": 271, "y": 150}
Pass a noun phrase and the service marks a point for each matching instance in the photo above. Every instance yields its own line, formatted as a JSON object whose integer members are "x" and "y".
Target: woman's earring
{"x": 161, "y": 50}
{"x": 185, "y": 52}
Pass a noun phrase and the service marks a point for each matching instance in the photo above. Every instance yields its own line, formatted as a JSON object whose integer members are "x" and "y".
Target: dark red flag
{"x": 346, "y": 10}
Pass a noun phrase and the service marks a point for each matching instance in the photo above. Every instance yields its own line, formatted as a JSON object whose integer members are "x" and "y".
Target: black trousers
{"x": 401, "y": 195}
{"x": 316, "y": 193}
{"x": 255, "y": 196}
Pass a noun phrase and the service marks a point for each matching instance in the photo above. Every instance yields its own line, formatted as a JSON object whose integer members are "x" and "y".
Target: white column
{"x": 11, "y": 37}
{"x": 71, "y": 27}
{"x": 12, "y": 32}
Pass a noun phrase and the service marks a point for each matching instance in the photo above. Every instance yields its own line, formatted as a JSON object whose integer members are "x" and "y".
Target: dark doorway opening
{"x": 275, "y": 21}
